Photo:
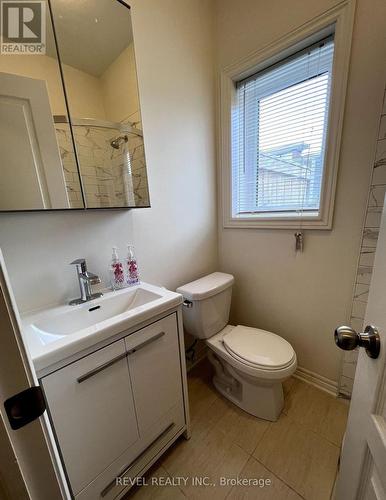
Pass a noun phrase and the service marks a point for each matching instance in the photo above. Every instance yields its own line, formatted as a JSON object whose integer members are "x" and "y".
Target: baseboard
{"x": 323, "y": 383}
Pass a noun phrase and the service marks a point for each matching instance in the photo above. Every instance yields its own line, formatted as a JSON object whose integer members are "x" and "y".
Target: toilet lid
{"x": 259, "y": 347}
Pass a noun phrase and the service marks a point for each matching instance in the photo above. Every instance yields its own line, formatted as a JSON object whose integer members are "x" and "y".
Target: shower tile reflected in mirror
{"x": 38, "y": 168}
{"x": 101, "y": 85}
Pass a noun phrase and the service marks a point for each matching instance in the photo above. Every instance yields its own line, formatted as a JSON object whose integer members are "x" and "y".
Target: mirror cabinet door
{"x": 38, "y": 168}
{"x": 97, "y": 57}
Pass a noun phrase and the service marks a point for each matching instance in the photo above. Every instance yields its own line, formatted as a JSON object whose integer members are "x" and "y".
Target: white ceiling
{"x": 91, "y": 33}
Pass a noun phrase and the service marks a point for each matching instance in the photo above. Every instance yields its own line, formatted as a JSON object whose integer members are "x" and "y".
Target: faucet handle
{"x": 80, "y": 264}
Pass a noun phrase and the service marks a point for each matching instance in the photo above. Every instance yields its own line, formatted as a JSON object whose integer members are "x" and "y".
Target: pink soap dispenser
{"x": 117, "y": 276}
{"x": 132, "y": 267}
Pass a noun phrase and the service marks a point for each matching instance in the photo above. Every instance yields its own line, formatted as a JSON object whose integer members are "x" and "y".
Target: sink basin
{"x": 73, "y": 319}
{"x": 60, "y": 332}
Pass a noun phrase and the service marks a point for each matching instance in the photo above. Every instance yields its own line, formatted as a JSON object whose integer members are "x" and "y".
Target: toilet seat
{"x": 258, "y": 348}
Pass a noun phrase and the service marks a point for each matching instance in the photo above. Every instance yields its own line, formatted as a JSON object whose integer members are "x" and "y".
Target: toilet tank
{"x": 207, "y": 304}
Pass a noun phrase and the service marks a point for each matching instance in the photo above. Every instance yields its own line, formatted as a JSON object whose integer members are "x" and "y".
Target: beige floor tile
{"x": 201, "y": 397}
{"x": 274, "y": 490}
{"x": 156, "y": 487}
{"x": 298, "y": 456}
{"x": 214, "y": 457}
{"x": 241, "y": 428}
{"x": 317, "y": 410}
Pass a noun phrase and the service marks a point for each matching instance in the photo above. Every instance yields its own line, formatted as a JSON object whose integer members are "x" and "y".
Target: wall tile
{"x": 361, "y": 292}
{"x": 364, "y": 275}
{"x": 377, "y": 196}
{"x": 367, "y": 253}
{"x": 370, "y": 237}
{"x": 349, "y": 369}
{"x": 357, "y": 324}
{"x": 382, "y": 128}
{"x": 358, "y": 309}
{"x": 367, "y": 256}
{"x": 346, "y": 385}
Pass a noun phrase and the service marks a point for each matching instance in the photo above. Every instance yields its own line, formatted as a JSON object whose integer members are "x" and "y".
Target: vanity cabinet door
{"x": 155, "y": 371}
{"x": 92, "y": 410}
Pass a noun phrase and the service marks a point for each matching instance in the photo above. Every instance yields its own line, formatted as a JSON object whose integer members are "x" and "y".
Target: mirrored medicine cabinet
{"x": 71, "y": 132}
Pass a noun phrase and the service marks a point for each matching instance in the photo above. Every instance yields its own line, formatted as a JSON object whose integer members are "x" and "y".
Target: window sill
{"x": 288, "y": 222}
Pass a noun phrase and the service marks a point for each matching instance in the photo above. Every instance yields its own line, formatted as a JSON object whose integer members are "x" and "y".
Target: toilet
{"x": 250, "y": 364}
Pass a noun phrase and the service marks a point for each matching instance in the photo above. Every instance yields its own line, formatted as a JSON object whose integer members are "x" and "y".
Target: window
{"x": 279, "y": 135}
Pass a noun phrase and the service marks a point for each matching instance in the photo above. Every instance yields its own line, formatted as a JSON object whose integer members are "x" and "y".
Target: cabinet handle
{"x": 132, "y": 464}
{"x": 98, "y": 369}
{"x": 145, "y": 342}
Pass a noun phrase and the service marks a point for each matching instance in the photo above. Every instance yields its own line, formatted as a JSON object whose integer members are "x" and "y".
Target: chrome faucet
{"x": 86, "y": 279}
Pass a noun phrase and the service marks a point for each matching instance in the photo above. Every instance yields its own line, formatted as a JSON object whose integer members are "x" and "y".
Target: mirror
{"x": 70, "y": 121}
{"x": 97, "y": 56}
{"x": 38, "y": 168}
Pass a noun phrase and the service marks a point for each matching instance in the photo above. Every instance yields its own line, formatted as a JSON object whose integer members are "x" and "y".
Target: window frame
{"x": 337, "y": 21}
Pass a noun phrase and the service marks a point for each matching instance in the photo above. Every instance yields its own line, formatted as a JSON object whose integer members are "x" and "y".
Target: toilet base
{"x": 261, "y": 398}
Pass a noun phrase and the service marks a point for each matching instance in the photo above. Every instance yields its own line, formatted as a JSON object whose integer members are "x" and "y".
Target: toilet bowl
{"x": 249, "y": 364}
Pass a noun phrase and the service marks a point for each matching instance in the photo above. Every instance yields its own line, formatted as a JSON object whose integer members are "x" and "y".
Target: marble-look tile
{"x": 357, "y": 324}
{"x": 380, "y": 153}
{"x": 370, "y": 238}
{"x": 358, "y": 309}
{"x": 364, "y": 275}
{"x": 351, "y": 356}
{"x": 273, "y": 487}
{"x": 377, "y": 196}
{"x": 382, "y": 128}
{"x": 317, "y": 411}
{"x": 384, "y": 104}
{"x": 361, "y": 292}
{"x": 365, "y": 268}
{"x": 348, "y": 369}
{"x": 373, "y": 218}
{"x": 379, "y": 172}
{"x": 299, "y": 457}
{"x": 346, "y": 385}
{"x": 367, "y": 257}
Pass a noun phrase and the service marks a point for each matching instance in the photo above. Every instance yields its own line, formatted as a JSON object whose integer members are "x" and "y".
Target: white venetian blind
{"x": 279, "y": 135}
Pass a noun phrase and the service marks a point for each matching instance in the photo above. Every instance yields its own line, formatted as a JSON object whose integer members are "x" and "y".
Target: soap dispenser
{"x": 132, "y": 267}
{"x": 117, "y": 276}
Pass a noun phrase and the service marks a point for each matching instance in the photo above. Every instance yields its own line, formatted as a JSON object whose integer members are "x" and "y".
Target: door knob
{"x": 348, "y": 339}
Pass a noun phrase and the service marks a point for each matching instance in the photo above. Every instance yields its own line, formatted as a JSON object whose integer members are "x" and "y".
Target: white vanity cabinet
{"x": 115, "y": 410}
{"x": 155, "y": 372}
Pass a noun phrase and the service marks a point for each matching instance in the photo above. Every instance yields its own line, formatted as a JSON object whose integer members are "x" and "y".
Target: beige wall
{"x": 120, "y": 89}
{"x": 176, "y": 239}
{"x": 84, "y": 90}
{"x": 304, "y": 297}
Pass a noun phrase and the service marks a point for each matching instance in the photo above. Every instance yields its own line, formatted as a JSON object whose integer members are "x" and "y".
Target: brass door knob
{"x": 348, "y": 339}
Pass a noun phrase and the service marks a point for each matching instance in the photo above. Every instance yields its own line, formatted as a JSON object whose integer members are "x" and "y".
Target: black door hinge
{"x": 24, "y": 407}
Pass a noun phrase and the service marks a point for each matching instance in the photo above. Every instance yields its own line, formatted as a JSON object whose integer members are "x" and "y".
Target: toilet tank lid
{"x": 207, "y": 286}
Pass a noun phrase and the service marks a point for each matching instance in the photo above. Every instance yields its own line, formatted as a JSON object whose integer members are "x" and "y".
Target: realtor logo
{"x": 23, "y": 27}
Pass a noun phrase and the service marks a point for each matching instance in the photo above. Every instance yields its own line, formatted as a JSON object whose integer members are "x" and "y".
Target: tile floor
{"x": 298, "y": 454}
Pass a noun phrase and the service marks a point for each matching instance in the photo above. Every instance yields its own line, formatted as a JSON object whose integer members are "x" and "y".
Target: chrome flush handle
{"x": 348, "y": 339}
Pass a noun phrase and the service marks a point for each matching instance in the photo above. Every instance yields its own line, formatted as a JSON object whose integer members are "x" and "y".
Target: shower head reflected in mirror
{"x": 116, "y": 143}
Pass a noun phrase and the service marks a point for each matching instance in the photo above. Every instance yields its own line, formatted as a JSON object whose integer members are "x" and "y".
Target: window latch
{"x": 299, "y": 241}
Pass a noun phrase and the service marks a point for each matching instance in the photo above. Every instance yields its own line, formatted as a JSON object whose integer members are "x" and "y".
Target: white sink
{"x": 57, "y": 333}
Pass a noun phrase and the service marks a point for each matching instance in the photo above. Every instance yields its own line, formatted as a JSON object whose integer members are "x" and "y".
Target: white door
{"x": 362, "y": 472}
{"x": 27, "y": 460}
{"x": 31, "y": 170}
